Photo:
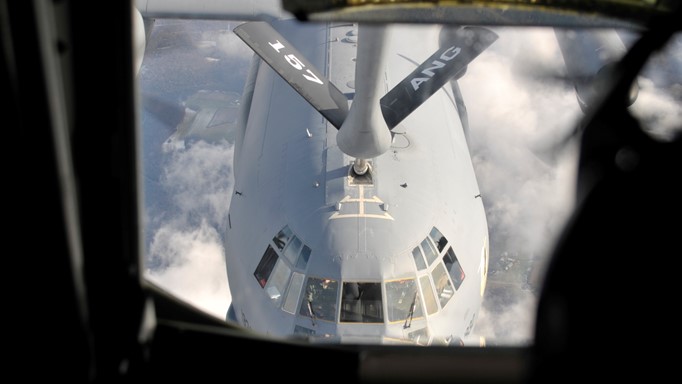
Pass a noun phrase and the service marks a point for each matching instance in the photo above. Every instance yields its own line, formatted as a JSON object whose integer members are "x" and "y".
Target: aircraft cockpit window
{"x": 454, "y": 268}
{"x": 278, "y": 281}
{"x": 265, "y": 267}
{"x": 361, "y": 303}
{"x": 294, "y": 292}
{"x": 292, "y": 250}
{"x": 320, "y": 299}
{"x": 403, "y": 300}
{"x": 282, "y": 277}
{"x": 427, "y": 292}
{"x": 429, "y": 251}
{"x": 443, "y": 286}
{"x": 303, "y": 258}
{"x": 282, "y": 238}
{"x": 438, "y": 239}
{"x": 418, "y": 258}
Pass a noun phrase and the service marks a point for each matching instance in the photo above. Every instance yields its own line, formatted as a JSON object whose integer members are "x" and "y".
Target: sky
{"x": 517, "y": 124}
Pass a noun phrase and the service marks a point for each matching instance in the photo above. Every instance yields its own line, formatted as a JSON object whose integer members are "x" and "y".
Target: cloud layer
{"x": 191, "y": 265}
{"x": 186, "y": 255}
{"x": 515, "y": 121}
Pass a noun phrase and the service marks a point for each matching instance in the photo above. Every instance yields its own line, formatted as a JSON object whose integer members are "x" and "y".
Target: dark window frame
{"x": 453, "y": 266}
{"x": 365, "y": 308}
{"x": 266, "y": 266}
{"x": 441, "y": 242}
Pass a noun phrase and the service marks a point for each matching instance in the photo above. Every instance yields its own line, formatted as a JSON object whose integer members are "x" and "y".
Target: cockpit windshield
{"x": 361, "y": 303}
{"x": 281, "y": 273}
{"x": 319, "y": 299}
{"x": 403, "y": 300}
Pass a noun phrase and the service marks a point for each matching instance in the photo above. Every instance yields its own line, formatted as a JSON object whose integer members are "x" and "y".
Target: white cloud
{"x": 659, "y": 112}
{"x": 517, "y": 110}
{"x": 514, "y": 119}
{"x": 511, "y": 323}
{"x": 230, "y": 44}
{"x": 186, "y": 254}
{"x": 200, "y": 179}
{"x": 218, "y": 36}
{"x": 192, "y": 266}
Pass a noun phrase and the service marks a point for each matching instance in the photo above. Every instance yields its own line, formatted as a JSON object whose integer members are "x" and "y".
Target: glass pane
{"x": 282, "y": 238}
{"x": 429, "y": 251}
{"x": 294, "y": 293}
{"x": 454, "y": 268}
{"x": 320, "y": 299}
{"x": 361, "y": 303}
{"x": 444, "y": 288}
{"x": 418, "y": 258}
{"x": 291, "y": 252}
{"x": 278, "y": 282}
{"x": 438, "y": 239}
{"x": 264, "y": 268}
{"x": 427, "y": 292}
{"x": 303, "y": 258}
{"x": 402, "y": 300}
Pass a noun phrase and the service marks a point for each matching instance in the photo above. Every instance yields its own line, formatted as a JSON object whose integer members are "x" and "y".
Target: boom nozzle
{"x": 360, "y": 166}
